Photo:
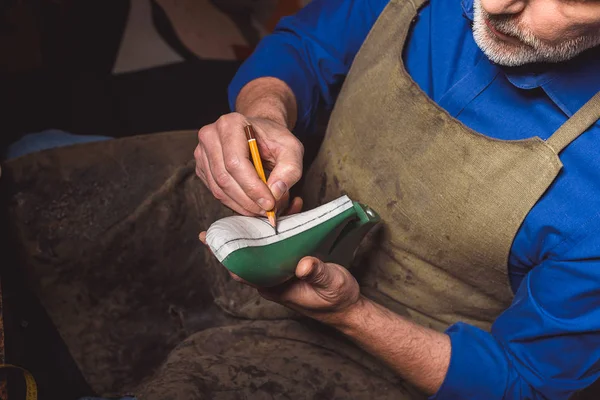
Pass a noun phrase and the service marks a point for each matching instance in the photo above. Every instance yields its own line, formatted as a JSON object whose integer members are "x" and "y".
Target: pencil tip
{"x": 273, "y": 223}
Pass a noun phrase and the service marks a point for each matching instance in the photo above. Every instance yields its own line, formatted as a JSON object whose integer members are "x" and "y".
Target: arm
{"x": 268, "y": 98}
{"x": 418, "y": 354}
{"x": 330, "y": 294}
{"x": 545, "y": 346}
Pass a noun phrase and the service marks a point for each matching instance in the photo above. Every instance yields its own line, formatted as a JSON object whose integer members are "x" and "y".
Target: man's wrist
{"x": 267, "y": 108}
{"x": 268, "y": 98}
{"x": 352, "y": 317}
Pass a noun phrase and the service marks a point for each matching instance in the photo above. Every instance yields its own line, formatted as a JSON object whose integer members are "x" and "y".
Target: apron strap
{"x": 415, "y": 3}
{"x": 585, "y": 117}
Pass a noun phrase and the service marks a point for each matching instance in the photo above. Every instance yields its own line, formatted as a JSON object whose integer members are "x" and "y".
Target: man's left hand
{"x": 323, "y": 291}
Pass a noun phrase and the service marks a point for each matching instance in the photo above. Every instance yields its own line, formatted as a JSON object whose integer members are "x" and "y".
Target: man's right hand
{"x": 223, "y": 162}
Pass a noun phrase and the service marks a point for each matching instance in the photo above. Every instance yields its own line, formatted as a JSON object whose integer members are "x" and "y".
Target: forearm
{"x": 268, "y": 98}
{"x": 418, "y": 354}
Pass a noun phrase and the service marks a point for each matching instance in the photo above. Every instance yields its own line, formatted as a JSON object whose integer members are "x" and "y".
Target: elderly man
{"x": 459, "y": 123}
{"x": 470, "y": 127}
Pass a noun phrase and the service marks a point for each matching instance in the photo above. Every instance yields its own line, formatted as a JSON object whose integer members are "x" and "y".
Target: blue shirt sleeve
{"x": 545, "y": 346}
{"x": 312, "y": 52}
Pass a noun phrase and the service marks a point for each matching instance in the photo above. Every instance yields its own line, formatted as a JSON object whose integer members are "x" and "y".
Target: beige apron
{"x": 108, "y": 235}
{"x": 451, "y": 199}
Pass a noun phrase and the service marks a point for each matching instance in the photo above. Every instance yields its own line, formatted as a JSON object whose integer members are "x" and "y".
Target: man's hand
{"x": 330, "y": 294}
{"x": 223, "y": 163}
{"x": 323, "y": 291}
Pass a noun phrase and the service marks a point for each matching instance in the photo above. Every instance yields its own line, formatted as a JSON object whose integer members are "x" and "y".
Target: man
{"x": 478, "y": 189}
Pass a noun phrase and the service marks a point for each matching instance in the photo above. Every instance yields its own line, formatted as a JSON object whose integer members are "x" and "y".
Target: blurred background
{"x": 120, "y": 68}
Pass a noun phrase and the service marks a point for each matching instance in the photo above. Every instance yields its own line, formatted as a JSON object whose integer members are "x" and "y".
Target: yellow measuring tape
{"x": 31, "y": 392}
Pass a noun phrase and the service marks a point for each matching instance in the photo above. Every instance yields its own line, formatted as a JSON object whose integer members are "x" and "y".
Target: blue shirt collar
{"x": 573, "y": 83}
{"x": 570, "y": 84}
{"x": 467, "y": 6}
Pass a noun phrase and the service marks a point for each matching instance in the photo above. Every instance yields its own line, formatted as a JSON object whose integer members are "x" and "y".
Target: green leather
{"x": 334, "y": 240}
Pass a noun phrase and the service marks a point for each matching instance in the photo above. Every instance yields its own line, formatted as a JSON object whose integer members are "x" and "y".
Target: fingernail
{"x": 278, "y": 189}
{"x": 264, "y": 204}
{"x": 307, "y": 271}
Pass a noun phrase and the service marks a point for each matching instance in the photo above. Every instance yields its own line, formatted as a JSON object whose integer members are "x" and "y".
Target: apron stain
{"x": 323, "y": 188}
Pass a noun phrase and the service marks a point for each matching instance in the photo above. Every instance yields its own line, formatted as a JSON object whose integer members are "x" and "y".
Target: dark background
{"x": 56, "y": 59}
{"x": 55, "y": 72}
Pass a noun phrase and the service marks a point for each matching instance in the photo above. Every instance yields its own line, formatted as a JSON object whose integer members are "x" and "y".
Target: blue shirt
{"x": 547, "y": 344}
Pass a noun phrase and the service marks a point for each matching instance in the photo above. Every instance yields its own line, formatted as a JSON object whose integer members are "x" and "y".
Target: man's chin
{"x": 516, "y": 59}
{"x": 500, "y": 52}
{"x": 507, "y": 60}
{"x": 513, "y": 55}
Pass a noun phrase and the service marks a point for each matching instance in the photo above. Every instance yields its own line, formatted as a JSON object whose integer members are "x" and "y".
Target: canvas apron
{"x": 451, "y": 199}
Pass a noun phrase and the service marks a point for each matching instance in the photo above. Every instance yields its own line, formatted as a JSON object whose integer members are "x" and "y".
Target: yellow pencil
{"x": 251, "y": 137}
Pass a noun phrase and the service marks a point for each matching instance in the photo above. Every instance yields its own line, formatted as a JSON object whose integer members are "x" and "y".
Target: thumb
{"x": 314, "y": 271}
{"x": 286, "y": 173}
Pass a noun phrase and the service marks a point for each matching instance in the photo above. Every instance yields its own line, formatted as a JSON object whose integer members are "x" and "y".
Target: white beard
{"x": 530, "y": 50}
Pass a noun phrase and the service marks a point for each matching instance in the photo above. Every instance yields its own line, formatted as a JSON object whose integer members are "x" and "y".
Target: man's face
{"x": 517, "y": 32}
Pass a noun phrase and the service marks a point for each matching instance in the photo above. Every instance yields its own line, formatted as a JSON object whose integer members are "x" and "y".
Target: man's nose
{"x": 503, "y": 7}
